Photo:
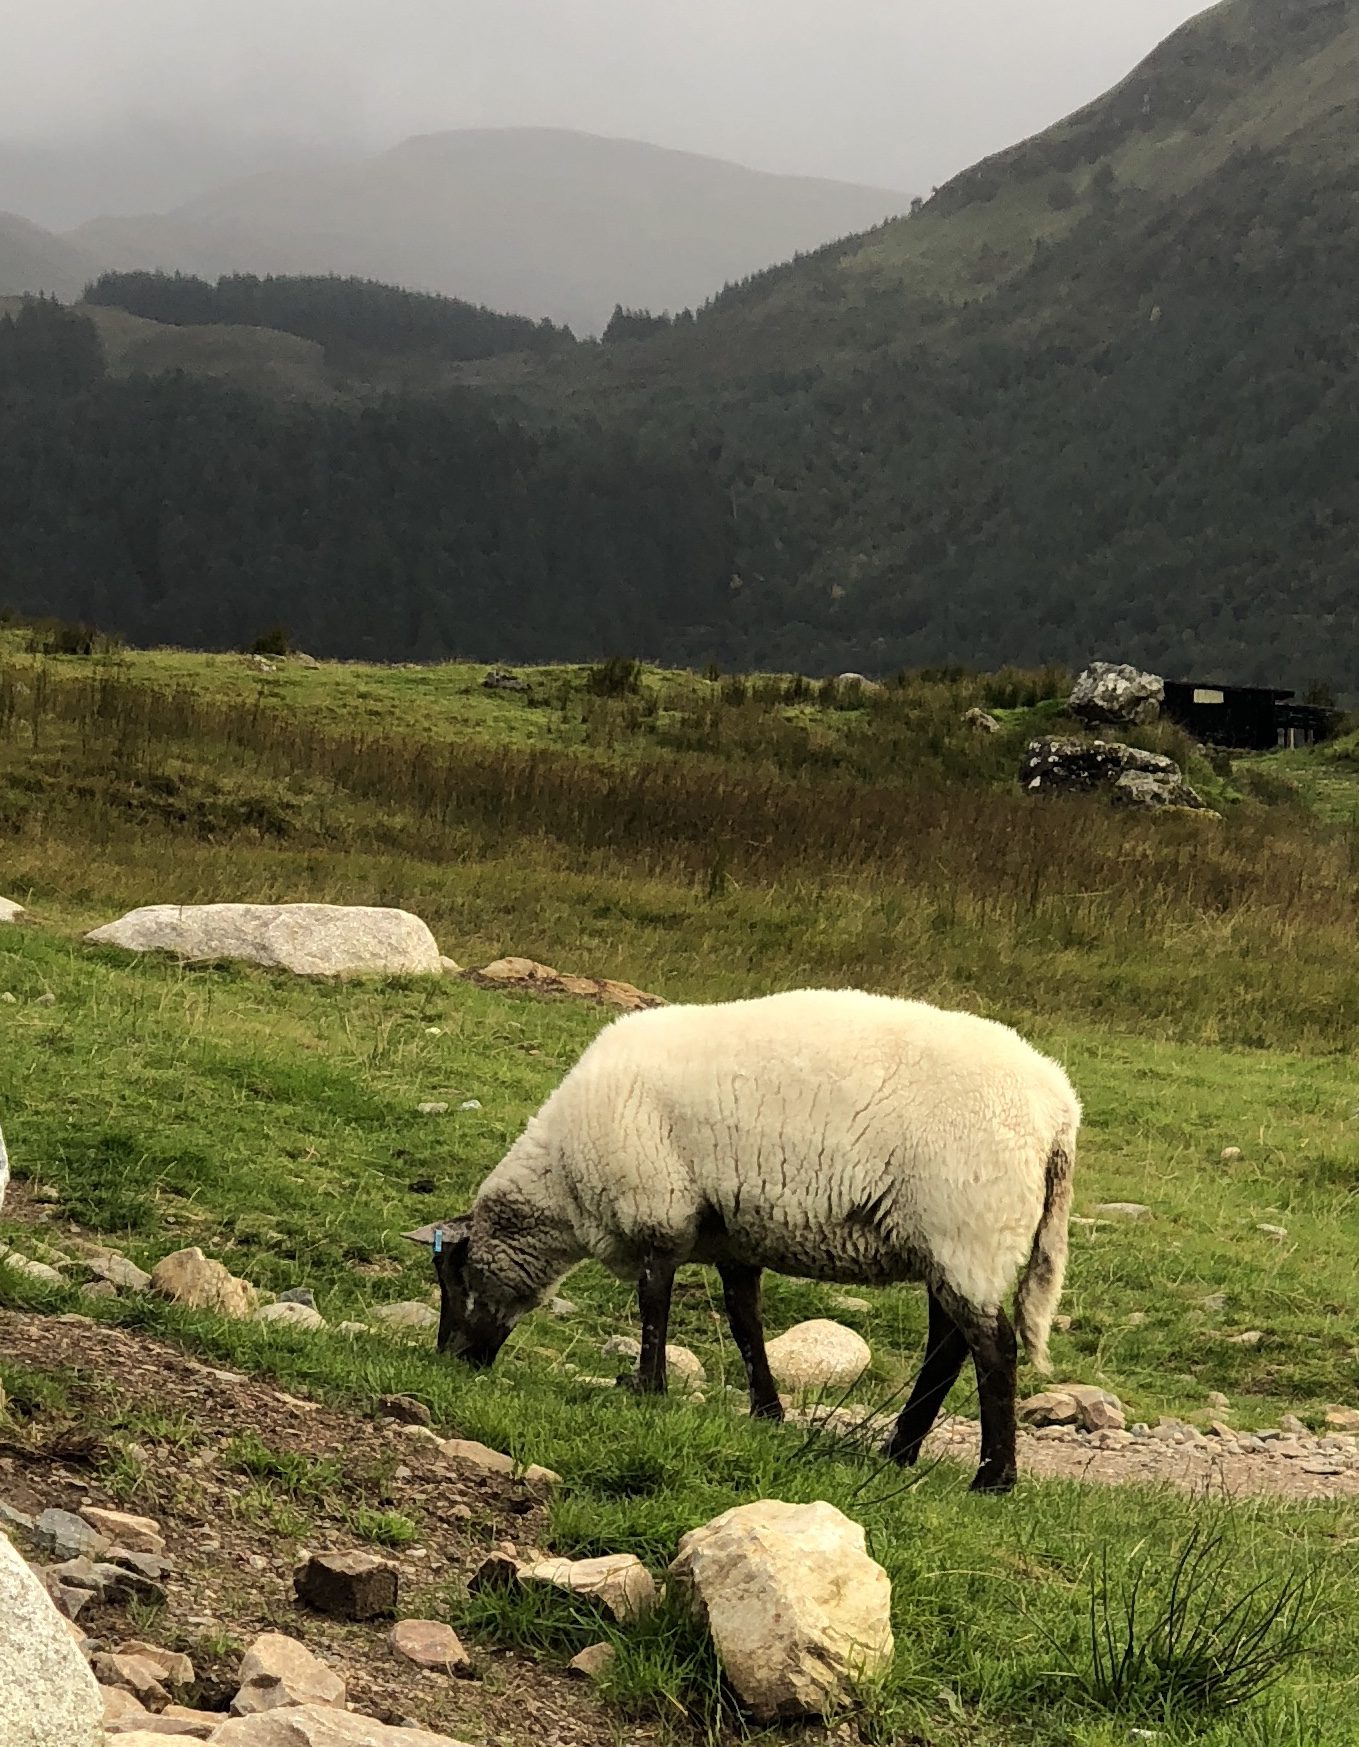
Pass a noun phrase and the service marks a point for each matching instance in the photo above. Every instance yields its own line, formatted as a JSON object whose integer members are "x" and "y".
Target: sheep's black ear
{"x": 455, "y": 1232}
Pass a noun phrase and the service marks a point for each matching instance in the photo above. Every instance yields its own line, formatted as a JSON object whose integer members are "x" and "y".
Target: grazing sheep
{"x": 832, "y": 1134}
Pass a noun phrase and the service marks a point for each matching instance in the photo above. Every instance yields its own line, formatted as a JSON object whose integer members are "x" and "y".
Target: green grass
{"x": 274, "y": 1122}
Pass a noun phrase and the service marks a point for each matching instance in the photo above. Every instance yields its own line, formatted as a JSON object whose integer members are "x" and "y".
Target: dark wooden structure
{"x": 1246, "y": 717}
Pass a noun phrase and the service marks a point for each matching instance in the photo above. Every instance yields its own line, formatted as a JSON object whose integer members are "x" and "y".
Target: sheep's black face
{"x": 470, "y": 1327}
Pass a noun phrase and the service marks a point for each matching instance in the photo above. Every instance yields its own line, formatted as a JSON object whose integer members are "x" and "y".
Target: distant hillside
{"x": 33, "y": 260}
{"x": 538, "y": 222}
{"x": 1101, "y": 395}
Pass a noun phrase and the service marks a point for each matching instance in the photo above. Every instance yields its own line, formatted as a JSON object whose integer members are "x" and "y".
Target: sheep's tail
{"x": 1040, "y": 1285}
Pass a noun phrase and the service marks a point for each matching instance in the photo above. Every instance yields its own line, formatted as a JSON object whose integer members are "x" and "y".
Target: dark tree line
{"x": 350, "y": 318}
{"x": 173, "y": 510}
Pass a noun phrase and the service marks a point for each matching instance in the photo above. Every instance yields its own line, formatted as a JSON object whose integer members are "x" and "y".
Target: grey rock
{"x": 56, "y": 1703}
{"x": 117, "y": 1271}
{"x": 69, "y": 1536}
{"x": 1110, "y": 691}
{"x": 307, "y": 939}
{"x": 298, "y": 1295}
{"x": 1064, "y": 766}
{"x": 497, "y": 680}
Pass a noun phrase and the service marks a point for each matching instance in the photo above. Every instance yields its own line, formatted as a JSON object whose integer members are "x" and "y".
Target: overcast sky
{"x": 895, "y": 92}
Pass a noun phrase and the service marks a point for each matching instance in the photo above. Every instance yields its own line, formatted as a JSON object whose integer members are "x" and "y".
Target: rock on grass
{"x": 348, "y": 1586}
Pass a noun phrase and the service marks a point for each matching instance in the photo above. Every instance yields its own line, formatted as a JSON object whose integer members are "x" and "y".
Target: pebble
{"x": 1275, "y": 1231}
{"x": 432, "y": 1108}
{"x": 1130, "y": 1210}
{"x": 1229, "y": 1153}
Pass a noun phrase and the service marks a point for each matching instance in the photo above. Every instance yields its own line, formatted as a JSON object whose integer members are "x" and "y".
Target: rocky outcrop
{"x": 797, "y": 1610}
{"x": 1132, "y": 777}
{"x": 57, "y": 1702}
{"x": 1112, "y": 692}
{"x": 188, "y": 1277}
{"x": 818, "y": 1355}
{"x": 312, "y": 940}
{"x": 542, "y": 979}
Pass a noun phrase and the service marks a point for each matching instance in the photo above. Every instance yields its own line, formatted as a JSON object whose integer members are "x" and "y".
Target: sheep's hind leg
{"x": 655, "y": 1285}
{"x": 995, "y": 1356}
{"x": 945, "y": 1350}
{"x": 741, "y": 1290}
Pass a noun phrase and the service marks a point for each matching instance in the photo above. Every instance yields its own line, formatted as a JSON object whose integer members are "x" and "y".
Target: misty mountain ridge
{"x": 533, "y": 221}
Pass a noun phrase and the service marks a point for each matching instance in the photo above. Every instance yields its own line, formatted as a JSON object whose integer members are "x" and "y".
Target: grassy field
{"x": 1194, "y": 978}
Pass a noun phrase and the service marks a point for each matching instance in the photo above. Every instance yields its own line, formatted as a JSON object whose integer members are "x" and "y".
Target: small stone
{"x": 470, "y": 1454}
{"x": 433, "y": 1108}
{"x": 70, "y": 1537}
{"x": 298, "y": 1295}
{"x": 290, "y": 1314}
{"x": 348, "y": 1586}
{"x": 1221, "y": 1430}
{"x": 619, "y": 1582}
{"x": 277, "y": 1672}
{"x": 1290, "y": 1423}
{"x": 352, "y": 1328}
{"x": 9, "y": 999}
{"x": 561, "y": 1307}
{"x": 10, "y": 1517}
{"x": 686, "y": 1366}
{"x": 188, "y": 1277}
{"x": 406, "y": 1409}
{"x": 1214, "y": 1301}
{"x": 1229, "y": 1153}
{"x": 1062, "y": 1324}
{"x": 408, "y": 1314}
{"x": 46, "y": 1195}
{"x": 117, "y": 1271}
{"x": 430, "y": 1644}
{"x": 853, "y": 1306}
{"x": 1250, "y": 1337}
{"x": 818, "y": 1354}
{"x": 497, "y": 1571}
{"x": 135, "y": 1674}
{"x": 1099, "y": 1410}
{"x": 1343, "y": 1419}
{"x": 135, "y": 1534}
{"x": 1050, "y": 1407}
{"x": 593, "y": 1663}
{"x": 119, "y": 1704}
{"x": 175, "y": 1668}
{"x": 99, "y": 1289}
{"x": 449, "y": 966}
{"x": 1218, "y": 1400}
{"x": 1278, "y": 1232}
{"x": 39, "y": 1271}
{"x": 46, "y": 1000}
{"x": 1129, "y": 1210}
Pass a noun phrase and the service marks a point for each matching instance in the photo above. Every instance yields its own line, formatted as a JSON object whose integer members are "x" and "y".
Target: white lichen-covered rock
{"x": 320, "y": 1726}
{"x": 818, "y": 1355}
{"x": 9, "y": 910}
{"x": 312, "y": 940}
{"x": 48, "y": 1696}
{"x": 797, "y": 1610}
{"x": 190, "y": 1278}
{"x": 981, "y": 720}
{"x": 1114, "y": 692}
{"x": 618, "y": 1582}
{"x": 1129, "y": 775}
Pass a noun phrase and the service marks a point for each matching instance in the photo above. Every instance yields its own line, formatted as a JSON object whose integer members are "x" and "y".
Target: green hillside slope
{"x": 1097, "y": 396}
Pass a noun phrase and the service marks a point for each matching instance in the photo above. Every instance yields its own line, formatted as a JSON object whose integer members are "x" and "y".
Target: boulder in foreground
{"x": 797, "y": 1610}
{"x": 57, "y": 1702}
{"x": 1110, "y": 691}
{"x": 311, "y": 940}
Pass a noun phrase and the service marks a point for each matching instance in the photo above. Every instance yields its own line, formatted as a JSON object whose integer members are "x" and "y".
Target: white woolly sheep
{"x": 829, "y": 1134}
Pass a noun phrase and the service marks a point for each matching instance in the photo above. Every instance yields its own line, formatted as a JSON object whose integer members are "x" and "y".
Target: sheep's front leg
{"x": 741, "y": 1290}
{"x": 655, "y": 1285}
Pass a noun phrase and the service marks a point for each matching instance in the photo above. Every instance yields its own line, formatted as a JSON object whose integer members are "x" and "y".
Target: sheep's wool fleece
{"x": 48, "y": 1697}
{"x": 797, "y": 1610}
{"x": 827, "y": 1133}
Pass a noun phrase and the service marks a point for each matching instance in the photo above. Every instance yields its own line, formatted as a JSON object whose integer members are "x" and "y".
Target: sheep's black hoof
{"x": 770, "y": 1410}
{"x": 904, "y": 1455}
{"x": 995, "y": 1481}
{"x": 635, "y": 1386}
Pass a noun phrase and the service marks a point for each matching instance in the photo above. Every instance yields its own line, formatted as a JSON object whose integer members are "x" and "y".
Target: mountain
{"x": 1099, "y": 396}
{"x": 33, "y": 260}
{"x": 537, "y": 222}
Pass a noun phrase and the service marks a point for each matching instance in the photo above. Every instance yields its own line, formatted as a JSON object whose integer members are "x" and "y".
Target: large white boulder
{"x": 9, "y": 910}
{"x": 48, "y": 1697}
{"x": 797, "y": 1610}
{"x": 311, "y": 940}
{"x": 820, "y": 1354}
{"x": 1111, "y": 691}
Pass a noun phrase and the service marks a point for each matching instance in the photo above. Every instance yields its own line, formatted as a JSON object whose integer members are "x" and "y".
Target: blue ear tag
{"x": 438, "y": 1239}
